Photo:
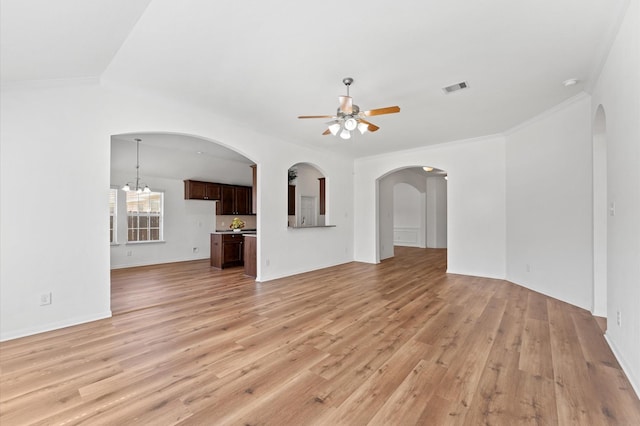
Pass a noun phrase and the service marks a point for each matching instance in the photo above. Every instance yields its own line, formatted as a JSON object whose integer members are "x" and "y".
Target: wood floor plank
{"x": 398, "y": 343}
{"x": 576, "y": 404}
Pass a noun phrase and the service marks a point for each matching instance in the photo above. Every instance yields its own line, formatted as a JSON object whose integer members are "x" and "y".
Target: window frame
{"x": 113, "y": 216}
{"x": 147, "y": 216}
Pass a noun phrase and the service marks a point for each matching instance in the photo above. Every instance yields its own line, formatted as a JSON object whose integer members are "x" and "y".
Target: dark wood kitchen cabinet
{"x": 197, "y": 190}
{"x": 250, "y": 266}
{"x": 291, "y": 200}
{"x": 323, "y": 194}
{"x": 227, "y": 250}
{"x": 234, "y": 200}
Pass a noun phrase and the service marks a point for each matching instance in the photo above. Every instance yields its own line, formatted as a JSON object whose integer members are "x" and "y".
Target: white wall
{"x": 549, "y": 204}
{"x": 58, "y": 140}
{"x": 54, "y": 209}
{"x": 436, "y": 212}
{"x": 408, "y": 215}
{"x": 385, "y": 216}
{"x": 618, "y": 91}
{"x": 187, "y": 225}
{"x": 475, "y": 199}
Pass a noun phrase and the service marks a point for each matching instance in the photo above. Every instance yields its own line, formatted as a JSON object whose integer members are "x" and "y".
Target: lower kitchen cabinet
{"x": 226, "y": 250}
{"x": 250, "y": 265}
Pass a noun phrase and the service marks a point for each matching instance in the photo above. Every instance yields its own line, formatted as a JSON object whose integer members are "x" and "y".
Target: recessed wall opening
{"x": 307, "y": 199}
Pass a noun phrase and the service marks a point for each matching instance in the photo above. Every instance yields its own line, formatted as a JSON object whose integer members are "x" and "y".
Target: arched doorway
{"x": 165, "y": 225}
{"x": 412, "y": 209}
{"x": 600, "y": 213}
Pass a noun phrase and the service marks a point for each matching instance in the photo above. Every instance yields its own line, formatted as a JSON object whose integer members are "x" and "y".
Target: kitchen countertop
{"x": 243, "y": 232}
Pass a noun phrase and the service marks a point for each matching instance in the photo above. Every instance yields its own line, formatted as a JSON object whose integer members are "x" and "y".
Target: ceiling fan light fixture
{"x": 350, "y": 123}
{"x": 348, "y": 116}
{"x": 334, "y": 128}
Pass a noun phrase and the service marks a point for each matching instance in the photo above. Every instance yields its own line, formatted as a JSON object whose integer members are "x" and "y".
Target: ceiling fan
{"x": 348, "y": 118}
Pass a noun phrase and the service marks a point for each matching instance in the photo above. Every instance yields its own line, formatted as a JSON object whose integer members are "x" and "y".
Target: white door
{"x": 307, "y": 215}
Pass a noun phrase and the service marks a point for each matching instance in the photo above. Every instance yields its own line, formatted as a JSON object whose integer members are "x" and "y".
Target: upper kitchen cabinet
{"x": 254, "y": 189}
{"x": 197, "y": 190}
{"x": 235, "y": 200}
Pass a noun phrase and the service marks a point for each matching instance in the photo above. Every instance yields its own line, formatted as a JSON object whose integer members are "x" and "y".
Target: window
{"x": 144, "y": 216}
{"x": 113, "y": 215}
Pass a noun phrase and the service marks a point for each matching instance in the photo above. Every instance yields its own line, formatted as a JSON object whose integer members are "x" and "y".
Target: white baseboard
{"x": 29, "y": 331}
{"x": 635, "y": 384}
{"x": 156, "y": 262}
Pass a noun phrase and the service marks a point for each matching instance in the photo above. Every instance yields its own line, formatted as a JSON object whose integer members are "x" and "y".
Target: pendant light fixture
{"x": 139, "y": 188}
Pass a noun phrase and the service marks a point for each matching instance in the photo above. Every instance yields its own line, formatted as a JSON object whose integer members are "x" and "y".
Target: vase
{"x": 237, "y": 230}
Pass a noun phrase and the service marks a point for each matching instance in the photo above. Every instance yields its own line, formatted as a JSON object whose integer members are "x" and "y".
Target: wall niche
{"x": 307, "y": 197}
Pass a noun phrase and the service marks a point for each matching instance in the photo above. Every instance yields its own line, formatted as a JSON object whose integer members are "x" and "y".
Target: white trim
{"x": 155, "y": 262}
{"x": 406, "y": 236}
{"x": 51, "y": 83}
{"x": 437, "y": 145}
{"x": 635, "y": 384}
{"x": 547, "y": 113}
{"x": 133, "y": 243}
{"x": 472, "y": 274}
{"x": 29, "y": 331}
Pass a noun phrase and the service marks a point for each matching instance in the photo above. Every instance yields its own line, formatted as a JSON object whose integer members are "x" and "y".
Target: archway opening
{"x": 192, "y": 180}
{"x": 412, "y": 209}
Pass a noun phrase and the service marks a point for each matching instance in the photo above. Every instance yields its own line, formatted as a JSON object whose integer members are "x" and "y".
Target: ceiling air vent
{"x": 455, "y": 87}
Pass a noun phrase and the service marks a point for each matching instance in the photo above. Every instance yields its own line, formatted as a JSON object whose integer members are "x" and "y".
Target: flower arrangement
{"x": 236, "y": 223}
{"x": 293, "y": 174}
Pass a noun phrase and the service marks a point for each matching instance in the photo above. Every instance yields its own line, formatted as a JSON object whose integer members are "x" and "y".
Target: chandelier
{"x": 139, "y": 188}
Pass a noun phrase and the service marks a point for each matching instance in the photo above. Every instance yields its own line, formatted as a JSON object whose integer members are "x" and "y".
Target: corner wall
{"x": 549, "y": 207}
{"x": 618, "y": 91}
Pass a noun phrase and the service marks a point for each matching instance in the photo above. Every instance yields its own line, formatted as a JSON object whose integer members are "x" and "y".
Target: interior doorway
{"x": 412, "y": 209}
{"x": 163, "y": 161}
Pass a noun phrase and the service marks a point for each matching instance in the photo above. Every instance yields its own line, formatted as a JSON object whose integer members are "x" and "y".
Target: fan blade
{"x": 372, "y": 127}
{"x": 380, "y": 111}
{"x": 316, "y": 116}
{"x": 346, "y": 104}
{"x": 326, "y": 132}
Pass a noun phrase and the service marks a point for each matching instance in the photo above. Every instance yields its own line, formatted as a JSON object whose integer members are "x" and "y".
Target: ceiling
{"x": 262, "y": 64}
{"x": 175, "y": 156}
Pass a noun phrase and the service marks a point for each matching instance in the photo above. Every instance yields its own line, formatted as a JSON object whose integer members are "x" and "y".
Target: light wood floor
{"x": 399, "y": 343}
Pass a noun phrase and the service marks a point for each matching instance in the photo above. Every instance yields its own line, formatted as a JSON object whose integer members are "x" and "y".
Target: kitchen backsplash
{"x": 223, "y": 222}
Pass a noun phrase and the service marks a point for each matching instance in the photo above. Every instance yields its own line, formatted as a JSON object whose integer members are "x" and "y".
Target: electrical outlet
{"x": 196, "y": 249}
{"x": 45, "y": 299}
{"x": 129, "y": 253}
{"x": 528, "y": 268}
{"x": 619, "y": 318}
